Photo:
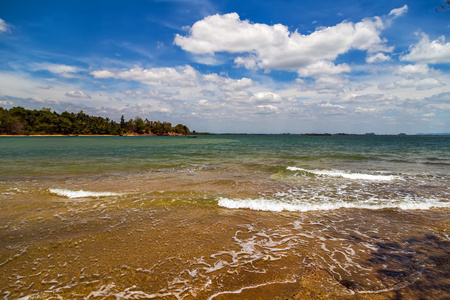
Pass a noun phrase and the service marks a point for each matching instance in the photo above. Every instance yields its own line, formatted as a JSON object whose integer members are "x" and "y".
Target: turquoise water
{"x": 47, "y": 155}
{"x": 334, "y": 165}
{"x": 225, "y": 217}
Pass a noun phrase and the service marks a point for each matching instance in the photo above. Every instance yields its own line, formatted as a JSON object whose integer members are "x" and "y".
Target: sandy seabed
{"x": 162, "y": 235}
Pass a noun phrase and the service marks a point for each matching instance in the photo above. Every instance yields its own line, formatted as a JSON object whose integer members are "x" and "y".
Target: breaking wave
{"x": 81, "y": 194}
{"x": 355, "y": 176}
{"x": 300, "y": 205}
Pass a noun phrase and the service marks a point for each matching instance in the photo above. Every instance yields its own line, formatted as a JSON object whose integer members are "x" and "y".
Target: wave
{"x": 81, "y": 194}
{"x": 354, "y": 176}
{"x": 277, "y": 205}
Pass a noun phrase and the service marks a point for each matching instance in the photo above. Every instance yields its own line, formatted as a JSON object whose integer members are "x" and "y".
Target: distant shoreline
{"x": 172, "y": 134}
{"x": 82, "y": 135}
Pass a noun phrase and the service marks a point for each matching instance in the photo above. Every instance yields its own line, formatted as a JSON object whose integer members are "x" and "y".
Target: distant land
{"x": 324, "y": 134}
{"x": 21, "y": 121}
{"x": 433, "y": 133}
{"x": 327, "y": 134}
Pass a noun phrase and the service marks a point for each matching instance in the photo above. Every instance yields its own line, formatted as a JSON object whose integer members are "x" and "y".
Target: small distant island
{"x": 21, "y": 121}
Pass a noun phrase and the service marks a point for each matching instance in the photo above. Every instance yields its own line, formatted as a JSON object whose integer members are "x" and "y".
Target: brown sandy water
{"x": 164, "y": 236}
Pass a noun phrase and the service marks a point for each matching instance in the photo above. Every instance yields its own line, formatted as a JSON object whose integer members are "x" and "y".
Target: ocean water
{"x": 225, "y": 217}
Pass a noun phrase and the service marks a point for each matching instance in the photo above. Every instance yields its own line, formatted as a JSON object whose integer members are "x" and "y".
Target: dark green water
{"x": 225, "y": 217}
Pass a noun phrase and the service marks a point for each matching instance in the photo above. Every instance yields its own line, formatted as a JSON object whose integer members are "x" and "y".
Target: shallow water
{"x": 225, "y": 217}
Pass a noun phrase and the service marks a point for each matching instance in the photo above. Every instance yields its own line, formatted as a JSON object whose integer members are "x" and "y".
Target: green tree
{"x": 139, "y": 125}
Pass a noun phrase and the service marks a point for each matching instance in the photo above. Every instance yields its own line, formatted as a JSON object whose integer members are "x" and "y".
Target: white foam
{"x": 238, "y": 291}
{"x": 354, "y": 176}
{"x": 278, "y": 205}
{"x": 81, "y": 194}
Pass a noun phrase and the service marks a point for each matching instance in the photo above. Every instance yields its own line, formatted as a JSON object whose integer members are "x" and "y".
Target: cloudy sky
{"x": 233, "y": 66}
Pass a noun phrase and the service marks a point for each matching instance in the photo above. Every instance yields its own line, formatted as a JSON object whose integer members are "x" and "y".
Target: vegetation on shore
{"x": 21, "y": 121}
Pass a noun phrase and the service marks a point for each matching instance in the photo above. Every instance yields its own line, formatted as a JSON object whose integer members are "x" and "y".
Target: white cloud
{"x": 181, "y": 76}
{"x": 44, "y": 101}
{"x": 399, "y": 11}
{"x": 236, "y": 96}
{"x": 329, "y": 84}
{"x": 4, "y": 27}
{"x": 151, "y": 94}
{"x": 265, "y": 98}
{"x": 228, "y": 33}
{"x": 426, "y": 51}
{"x": 423, "y": 84}
{"x": 415, "y": 70}
{"x": 275, "y": 47}
{"x": 77, "y": 94}
{"x": 55, "y": 68}
{"x": 418, "y": 84}
{"x": 376, "y": 58}
{"x": 364, "y": 110}
{"x": 266, "y": 109}
{"x": 248, "y": 62}
{"x": 102, "y": 74}
{"x": 203, "y": 102}
{"x": 322, "y": 68}
{"x": 5, "y": 102}
{"x": 228, "y": 84}
{"x": 62, "y": 70}
{"x": 209, "y": 60}
{"x": 329, "y": 105}
{"x": 163, "y": 110}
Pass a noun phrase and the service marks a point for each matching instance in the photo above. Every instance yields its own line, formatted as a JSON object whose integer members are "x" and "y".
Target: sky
{"x": 285, "y": 66}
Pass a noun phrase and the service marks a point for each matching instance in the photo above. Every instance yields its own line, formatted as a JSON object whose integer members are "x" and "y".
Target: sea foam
{"x": 279, "y": 205}
{"x": 81, "y": 194}
{"x": 354, "y": 176}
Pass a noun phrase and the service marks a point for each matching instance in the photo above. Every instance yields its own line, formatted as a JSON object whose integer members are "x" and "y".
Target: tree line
{"x": 21, "y": 121}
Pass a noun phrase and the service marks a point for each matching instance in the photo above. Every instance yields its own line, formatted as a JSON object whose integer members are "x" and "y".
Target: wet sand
{"x": 165, "y": 237}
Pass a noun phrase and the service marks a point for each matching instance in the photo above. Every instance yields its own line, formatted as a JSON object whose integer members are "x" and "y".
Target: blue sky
{"x": 233, "y": 66}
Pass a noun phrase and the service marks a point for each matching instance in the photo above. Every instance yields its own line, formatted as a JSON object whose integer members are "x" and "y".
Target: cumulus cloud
{"x": 364, "y": 110}
{"x": 103, "y": 74}
{"x": 77, "y": 94}
{"x": 44, "y": 101}
{"x": 418, "y": 84}
{"x": 181, "y": 76}
{"x": 151, "y": 94}
{"x": 426, "y": 51}
{"x": 322, "y": 68}
{"x": 5, "y": 102}
{"x": 228, "y": 84}
{"x": 377, "y": 58}
{"x": 4, "y": 27}
{"x": 275, "y": 47}
{"x": 415, "y": 76}
{"x": 236, "y": 96}
{"x": 228, "y": 33}
{"x": 415, "y": 70}
{"x": 203, "y": 102}
{"x": 327, "y": 84}
{"x": 329, "y": 105}
{"x": 265, "y": 98}
{"x": 266, "y": 109}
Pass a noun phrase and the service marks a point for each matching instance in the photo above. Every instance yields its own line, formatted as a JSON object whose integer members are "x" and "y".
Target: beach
{"x": 225, "y": 217}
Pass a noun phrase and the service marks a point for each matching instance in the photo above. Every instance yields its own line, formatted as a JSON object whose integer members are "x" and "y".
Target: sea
{"x": 225, "y": 217}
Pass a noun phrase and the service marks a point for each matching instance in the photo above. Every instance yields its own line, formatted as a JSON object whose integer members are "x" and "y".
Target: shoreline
{"x": 143, "y": 218}
{"x": 83, "y": 135}
{"x": 220, "y": 134}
